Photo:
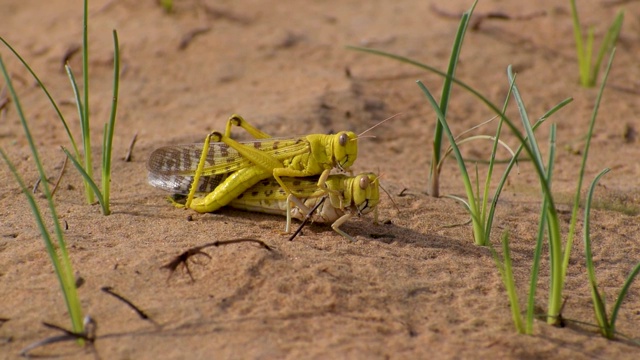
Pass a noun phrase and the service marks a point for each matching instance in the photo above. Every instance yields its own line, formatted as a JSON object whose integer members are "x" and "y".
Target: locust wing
{"x": 172, "y": 168}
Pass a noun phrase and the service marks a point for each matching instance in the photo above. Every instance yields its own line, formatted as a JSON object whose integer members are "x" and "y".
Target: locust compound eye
{"x": 343, "y": 139}
{"x": 364, "y": 182}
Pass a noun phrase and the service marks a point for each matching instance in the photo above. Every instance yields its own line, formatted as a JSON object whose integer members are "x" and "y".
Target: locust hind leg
{"x": 263, "y": 161}
{"x": 215, "y": 200}
{"x": 199, "y": 169}
{"x": 232, "y": 187}
{"x": 238, "y": 120}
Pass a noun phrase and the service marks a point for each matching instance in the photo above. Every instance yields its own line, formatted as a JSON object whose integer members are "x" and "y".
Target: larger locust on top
{"x": 227, "y": 168}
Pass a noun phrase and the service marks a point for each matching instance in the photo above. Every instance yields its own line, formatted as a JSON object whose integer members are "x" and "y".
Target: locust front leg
{"x": 305, "y": 210}
{"x": 322, "y": 184}
{"x": 336, "y": 225}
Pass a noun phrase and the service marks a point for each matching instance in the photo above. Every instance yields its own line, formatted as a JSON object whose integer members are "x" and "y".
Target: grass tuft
{"x": 84, "y": 164}
{"x": 584, "y": 46}
{"x": 449, "y": 79}
{"x": 59, "y": 256}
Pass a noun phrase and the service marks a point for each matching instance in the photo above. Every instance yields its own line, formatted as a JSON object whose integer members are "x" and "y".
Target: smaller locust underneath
{"x": 353, "y": 195}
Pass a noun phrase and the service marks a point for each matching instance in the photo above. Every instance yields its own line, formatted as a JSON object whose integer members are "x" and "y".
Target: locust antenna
{"x": 385, "y": 190}
{"x": 390, "y": 198}
{"x": 376, "y": 125}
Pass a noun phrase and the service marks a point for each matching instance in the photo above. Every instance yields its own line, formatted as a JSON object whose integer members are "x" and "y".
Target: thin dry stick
{"x": 109, "y": 290}
{"x": 55, "y": 187}
{"x": 306, "y": 218}
{"x": 4, "y": 99}
{"x": 184, "y": 257}
{"x": 64, "y": 167}
{"x": 127, "y": 158}
{"x": 89, "y": 335}
{"x": 188, "y": 37}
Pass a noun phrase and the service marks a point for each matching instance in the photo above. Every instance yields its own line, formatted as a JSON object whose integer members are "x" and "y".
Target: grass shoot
{"x": 59, "y": 256}
{"x": 606, "y": 324}
{"x": 436, "y": 158}
{"x": 84, "y": 164}
{"x": 584, "y": 46}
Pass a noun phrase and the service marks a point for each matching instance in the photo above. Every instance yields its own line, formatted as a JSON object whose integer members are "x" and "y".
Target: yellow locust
{"x": 228, "y": 168}
{"x": 348, "y": 196}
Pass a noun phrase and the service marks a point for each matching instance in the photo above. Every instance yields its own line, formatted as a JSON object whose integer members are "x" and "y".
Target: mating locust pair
{"x": 288, "y": 176}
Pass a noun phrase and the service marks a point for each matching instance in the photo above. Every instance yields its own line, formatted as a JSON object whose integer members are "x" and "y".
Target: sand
{"x": 411, "y": 287}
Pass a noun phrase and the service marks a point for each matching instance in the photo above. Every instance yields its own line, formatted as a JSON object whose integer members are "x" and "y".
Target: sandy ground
{"x": 411, "y": 288}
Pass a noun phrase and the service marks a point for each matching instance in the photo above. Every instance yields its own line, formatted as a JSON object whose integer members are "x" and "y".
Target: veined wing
{"x": 179, "y": 184}
{"x": 172, "y": 168}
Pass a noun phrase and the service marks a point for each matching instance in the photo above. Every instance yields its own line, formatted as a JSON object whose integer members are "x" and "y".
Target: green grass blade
{"x": 525, "y": 120}
{"x": 478, "y": 231}
{"x": 431, "y": 69}
{"x": 608, "y": 43}
{"x": 167, "y": 5}
{"x": 88, "y": 180}
{"x": 583, "y": 68}
{"x": 62, "y": 266}
{"x": 585, "y": 154}
{"x": 444, "y": 99}
{"x": 552, "y": 153}
{"x": 586, "y": 79}
{"x": 76, "y": 94}
{"x": 621, "y": 296}
{"x": 465, "y": 204}
{"x": 510, "y": 284}
{"x": 537, "y": 254}
{"x": 512, "y": 162}
{"x": 83, "y": 126}
{"x": 535, "y": 267}
{"x": 110, "y": 128}
{"x": 555, "y": 241}
{"x": 506, "y": 274}
{"x": 62, "y": 269}
{"x": 554, "y": 109}
{"x": 478, "y": 191}
{"x": 485, "y": 196}
{"x": 598, "y": 301}
{"x": 453, "y": 61}
{"x": 51, "y": 250}
{"x": 46, "y": 92}
{"x": 84, "y": 120}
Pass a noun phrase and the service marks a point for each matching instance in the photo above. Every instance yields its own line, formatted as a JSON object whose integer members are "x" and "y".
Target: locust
{"x": 226, "y": 168}
{"x": 349, "y": 196}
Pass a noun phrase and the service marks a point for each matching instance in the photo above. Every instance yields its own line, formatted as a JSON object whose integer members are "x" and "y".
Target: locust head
{"x": 365, "y": 192}
{"x": 345, "y": 149}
